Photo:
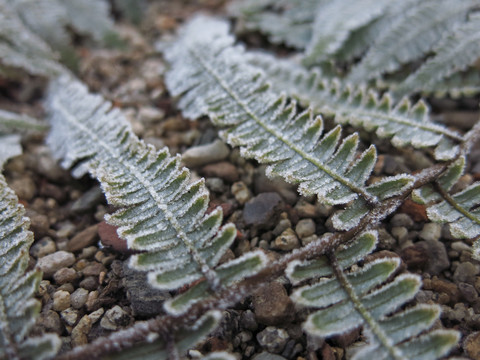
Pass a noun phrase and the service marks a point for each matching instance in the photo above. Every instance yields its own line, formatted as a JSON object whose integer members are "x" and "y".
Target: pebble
{"x": 114, "y": 318}
{"x": 460, "y": 246}
{"x": 223, "y": 170}
{"x": 43, "y": 247}
{"x": 272, "y": 339}
{"x": 42, "y": 162}
{"x": 305, "y": 209}
{"x": 70, "y": 316}
{"x": 443, "y": 286}
{"x": 262, "y": 184}
{"x": 78, "y": 298}
{"x": 50, "y": 321}
{"x": 215, "y": 184}
{"x": 91, "y": 302}
{"x": 286, "y": 241}
{"x": 51, "y": 263}
{"x": 205, "y": 154}
{"x": 401, "y": 234}
{"x": 96, "y": 315}
{"x": 305, "y": 228}
{"x": 468, "y": 292}
{"x": 64, "y": 275}
{"x": 402, "y": 220}
{"x": 438, "y": 260}
{"x": 465, "y": 272}
{"x": 267, "y": 356}
{"x": 431, "y": 231}
{"x": 415, "y": 257}
{"x": 89, "y": 283}
{"x": 39, "y": 224}
{"x": 24, "y": 188}
{"x": 94, "y": 269}
{"x": 61, "y": 300}
{"x": 385, "y": 240}
{"x": 308, "y": 239}
{"x": 260, "y": 210}
{"x": 150, "y": 114}
{"x": 109, "y": 237}
{"x": 241, "y": 192}
{"x": 282, "y": 225}
{"x": 417, "y": 212}
{"x": 79, "y": 332}
{"x": 272, "y": 305}
{"x": 471, "y": 345}
{"x": 83, "y": 239}
{"x": 247, "y": 320}
{"x": 88, "y": 201}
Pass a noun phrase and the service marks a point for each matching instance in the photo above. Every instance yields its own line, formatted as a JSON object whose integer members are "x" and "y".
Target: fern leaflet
{"x": 406, "y": 124}
{"x": 353, "y": 299}
{"x": 160, "y": 210}
{"x": 215, "y": 80}
{"x": 18, "y": 308}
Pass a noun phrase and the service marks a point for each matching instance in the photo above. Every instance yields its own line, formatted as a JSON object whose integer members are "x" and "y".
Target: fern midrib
{"x": 449, "y": 199}
{"x": 209, "y": 273}
{"x": 360, "y": 191}
{"x": 363, "y": 311}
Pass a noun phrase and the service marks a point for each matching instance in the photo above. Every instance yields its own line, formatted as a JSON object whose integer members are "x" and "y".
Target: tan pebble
{"x": 79, "y": 332}
{"x": 286, "y": 241}
{"x": 61, "y": 300}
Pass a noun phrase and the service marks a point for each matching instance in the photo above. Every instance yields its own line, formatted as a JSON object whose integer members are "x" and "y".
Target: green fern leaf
{"x": 184, "y": 339}
{"x": 216, "y": 80}
{"x": 10, "y": 147}
{"x": 410, "y": 37}
{"x": 18, "y": 307}
{"x": 460, "y": 210}
{"x": 453, "y": 53}
{"x": 404, "y": 123}
{"x": 358, "y": 298}
{"x": 160, "y": 210}
{"x": 26, "y": 52}
{"x": 334, "y": 22}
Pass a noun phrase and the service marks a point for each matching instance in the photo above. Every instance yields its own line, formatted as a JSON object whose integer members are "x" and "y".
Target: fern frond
{"x": 404, "y": 123}
{"x": 22, "y": 49}
{"x": 183, "y": 339}
{"x": 335, "y": 21}
{"x": 410, "y": 37}
{"x": 18, "y": 307}
{"x": 216, "y": 80}
{"x": 368, "y": 296}
{"x": 453, "y": 53}
{"x": 13, "y": 122}
{"x": 460, "y": 210}
{"x": 290, "y": 22}
{"x": 160, "y": 210}
{"x": 10, "y": 147}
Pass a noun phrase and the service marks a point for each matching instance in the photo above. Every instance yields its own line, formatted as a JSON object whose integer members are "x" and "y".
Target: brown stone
{"x": 415, "y": 257}
{"x": 223, "y": 170}
{"x": 272, "y": 306}
{"x": 109, "y": 237}
{"x": 94, "y": 269}
{"x": 446, "y": 287}
{"x": 83, "y": 239}
{"x": 416, "y": 211}
{"x": 472, "y": 345}
{"x": 65, "y": 275}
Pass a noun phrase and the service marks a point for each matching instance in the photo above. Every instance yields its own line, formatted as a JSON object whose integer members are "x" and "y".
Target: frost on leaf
{"x": 18, "y": 307}
{"x": 370, "y": 296}
{"x": 213, "y": 78}
{"x": 161, "y": 211}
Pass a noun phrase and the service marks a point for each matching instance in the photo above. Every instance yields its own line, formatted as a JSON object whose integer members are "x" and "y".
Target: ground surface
{"x": 88, "y": 291}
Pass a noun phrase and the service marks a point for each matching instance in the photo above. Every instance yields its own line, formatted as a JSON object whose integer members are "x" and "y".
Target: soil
{"x": 88, "y": 291}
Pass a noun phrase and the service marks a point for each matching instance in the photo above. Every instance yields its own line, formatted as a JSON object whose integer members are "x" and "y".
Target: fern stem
{"x": 210, "y": 274}
{"x": 369, "y": 198}
{"x": 373, "y": 325}
{"x": 448, "y": 198}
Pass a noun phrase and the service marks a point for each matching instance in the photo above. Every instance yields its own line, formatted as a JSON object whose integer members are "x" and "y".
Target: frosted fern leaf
{"x": 454, "y": 52}
{"x": 216, "y": 80}
{"x": 18, "y": 307}
{"x": 10, "y": 147}
{"x": 404, "y": 124}
{"x": 335, "y": 20}
{"x": 460, "y": 210}
{"x": 184, "y": 338}
{"x": 410, "y": 37}
{"x": 368, "y": 296}
{"x": 22, "y": 49}
{"x": 161, "y": 211}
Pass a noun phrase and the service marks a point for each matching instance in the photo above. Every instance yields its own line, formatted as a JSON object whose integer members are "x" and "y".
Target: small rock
{"x": 415, "y": 257}
{"x": 460, "y": 246}
{"x": 385, "y": 240}
{"x": 42, "y": 162}
{"x": 50, "y": 321}
{"x": 260, "y": 211}
{"x": 402, "y": 220}
{"x": 444, "y": 286}
{"x": 88, "y": 201}
{"x": 431, "y": 231}
{"x": 286, "y": 241}
{"x": 241, "y": 192}
{"x": 94, "y": 269}
{"x": 264, "y": 184}
{"x": 401, "y": 234}
{"x": 437, "y": 256}
{"x": 78, "y": 298}
{"x": 89, "y": 283}
{"x": 465, "y": 272}
{"x": 272, "y": 305}
{"x": 471, "y": 345}
{"x": 51, "y": 263}
{"x": 24, "y": 187}
{"x": 96, "y": 315}
{"x": 305, "y": 228}
{"x": 64, "y": 275}
{"x": 305, "y": 209}
{"x": 247, "y": 320}
{"x": 223, "y": 170}
{"x": 308, "y": 239}
{"x": 417, "y": 212}
{"x": 109, "y": 237}
{"x": 267, "y": 356}
{"x": 43, "y": 247}
{"x": 282, "y": 225}
{"x": 61, "y": 300}
{"x": 39, "y": 224}
{"x": 83, "y": 239}
{"x": 150, "y": 114}
{"x": 92, "y": 303}
{"x": 468, "y": 292}
{"x": 205, "y": 154}
{"x": 272, "y": 339}
{"x": 79, "y": 332}
{"x": 114, "y": 318}
{"x": 70, "y": 316}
